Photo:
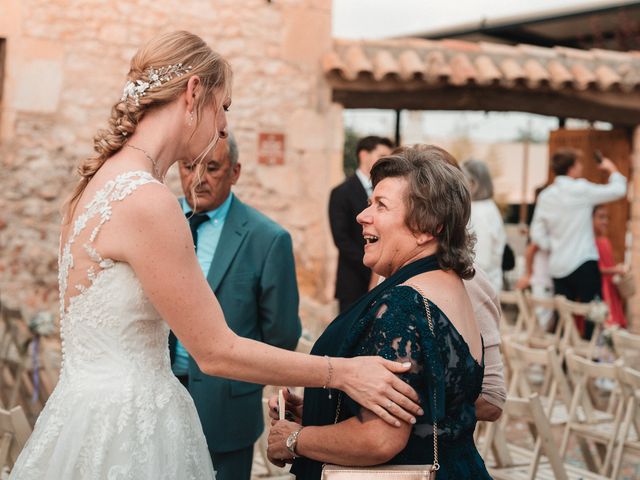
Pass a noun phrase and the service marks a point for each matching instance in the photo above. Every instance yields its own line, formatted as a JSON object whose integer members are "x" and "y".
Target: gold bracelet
{"x": 329, "y": 375}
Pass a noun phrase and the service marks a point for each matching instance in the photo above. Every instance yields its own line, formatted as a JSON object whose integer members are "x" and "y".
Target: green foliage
{"x": 531, "y": 136}
{"x": 350, "y": 160}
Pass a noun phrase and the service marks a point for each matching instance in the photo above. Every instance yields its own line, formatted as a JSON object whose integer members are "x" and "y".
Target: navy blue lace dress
{"x": 395, "y": 327}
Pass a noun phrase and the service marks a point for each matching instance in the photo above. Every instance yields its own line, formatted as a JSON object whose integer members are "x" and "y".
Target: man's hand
{"x": 608, "y": 166}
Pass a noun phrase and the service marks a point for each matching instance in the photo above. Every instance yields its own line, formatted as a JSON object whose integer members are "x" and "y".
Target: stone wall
{"x": 66, "y": 63}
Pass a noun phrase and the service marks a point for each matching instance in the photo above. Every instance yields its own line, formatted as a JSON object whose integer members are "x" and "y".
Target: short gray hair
{"x": 232, "y": 149}
{"x": 479, "y": 175}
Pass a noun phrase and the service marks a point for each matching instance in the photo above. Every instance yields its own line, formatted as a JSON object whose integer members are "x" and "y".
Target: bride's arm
{"x": 156, "y": 242}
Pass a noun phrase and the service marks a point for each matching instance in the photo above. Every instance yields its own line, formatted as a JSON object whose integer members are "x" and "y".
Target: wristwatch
{"x": 292, "y": 441}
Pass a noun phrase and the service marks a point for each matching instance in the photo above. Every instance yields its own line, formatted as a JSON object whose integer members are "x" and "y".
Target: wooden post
{"x": 634, "y": 187}
{"x": 524, "y": 205}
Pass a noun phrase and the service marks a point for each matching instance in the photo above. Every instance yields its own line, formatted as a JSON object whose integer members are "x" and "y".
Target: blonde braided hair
{"x": 172, "y": 48}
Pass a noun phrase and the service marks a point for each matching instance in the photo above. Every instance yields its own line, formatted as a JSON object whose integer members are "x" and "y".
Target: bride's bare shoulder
{"x": 150, "y": 220}
{"x": 153, "y": 204}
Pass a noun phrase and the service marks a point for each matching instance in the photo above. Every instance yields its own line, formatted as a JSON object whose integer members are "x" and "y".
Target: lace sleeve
{"x": 399, "y": 331}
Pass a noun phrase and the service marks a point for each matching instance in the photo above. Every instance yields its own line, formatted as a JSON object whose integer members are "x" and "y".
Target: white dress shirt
{"x": 365, "y": 181}
{"x": 486, "y": 223}
{"x": 562, "y": 222}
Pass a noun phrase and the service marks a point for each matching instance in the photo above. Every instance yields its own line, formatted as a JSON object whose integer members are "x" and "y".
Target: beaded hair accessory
{"x": 156, "y": 76}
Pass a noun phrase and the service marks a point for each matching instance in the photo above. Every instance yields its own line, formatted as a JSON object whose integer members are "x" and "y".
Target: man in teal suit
{"x": 248, "y": 261}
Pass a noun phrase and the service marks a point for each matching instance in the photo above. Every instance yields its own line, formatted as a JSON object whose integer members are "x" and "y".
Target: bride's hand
{"x": 372, "y": 382}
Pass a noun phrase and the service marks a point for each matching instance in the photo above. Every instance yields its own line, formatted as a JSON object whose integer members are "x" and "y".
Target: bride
{"x": 128, "y": 273}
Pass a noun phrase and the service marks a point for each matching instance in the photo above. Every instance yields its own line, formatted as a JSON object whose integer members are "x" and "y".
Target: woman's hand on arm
{"x": 353, "y": 442}
{"x": 294, "y": 405}
{"x": 359, "y": 388}
{"x": 366, "y": 389}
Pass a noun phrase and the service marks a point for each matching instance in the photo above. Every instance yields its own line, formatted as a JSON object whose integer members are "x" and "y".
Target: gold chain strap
{"x": 436, "y": 465}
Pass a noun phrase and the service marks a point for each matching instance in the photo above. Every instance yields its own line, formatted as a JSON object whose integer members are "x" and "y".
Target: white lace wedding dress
{"x": 117, "y": 412}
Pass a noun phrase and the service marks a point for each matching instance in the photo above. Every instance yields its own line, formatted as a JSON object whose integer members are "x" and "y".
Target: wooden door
{"x": 614, "y": 144}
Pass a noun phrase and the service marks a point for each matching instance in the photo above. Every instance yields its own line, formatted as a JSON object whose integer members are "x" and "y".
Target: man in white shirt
{"x": 562, "y": 225}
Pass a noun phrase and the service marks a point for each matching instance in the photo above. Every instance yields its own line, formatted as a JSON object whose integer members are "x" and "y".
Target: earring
{"x": 190, "y": 118}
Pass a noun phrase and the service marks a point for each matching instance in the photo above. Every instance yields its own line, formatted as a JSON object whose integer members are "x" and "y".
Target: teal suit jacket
{"x": 253, "y": 276}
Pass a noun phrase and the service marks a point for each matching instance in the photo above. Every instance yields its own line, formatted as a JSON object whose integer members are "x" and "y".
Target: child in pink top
{"x": 608, "y": 267}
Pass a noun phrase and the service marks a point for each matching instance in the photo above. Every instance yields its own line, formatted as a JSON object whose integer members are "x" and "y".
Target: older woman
{"x": 416, "y": 236}
{"x": 486, "y": 222}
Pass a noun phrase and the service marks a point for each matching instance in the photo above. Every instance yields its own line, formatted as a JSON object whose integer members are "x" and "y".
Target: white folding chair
{"x": 14, "y": 432}
{"x": 629, "y": 437}
{"x": 514, "y": 299}
{"x": 553, "y": 386}
{"x": 544, "y": 463}
{"x": 626, "y": 346}
{"x": 590, "y": 425}
{"x": 570, "y": 337}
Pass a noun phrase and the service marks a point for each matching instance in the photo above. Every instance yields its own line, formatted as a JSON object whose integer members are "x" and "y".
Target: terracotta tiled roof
{"x": 460, "y": 63}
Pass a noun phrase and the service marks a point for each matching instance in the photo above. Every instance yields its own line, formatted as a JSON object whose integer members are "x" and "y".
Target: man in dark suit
{"x": 347, "y": 200}
{"x": 248, "y": 261}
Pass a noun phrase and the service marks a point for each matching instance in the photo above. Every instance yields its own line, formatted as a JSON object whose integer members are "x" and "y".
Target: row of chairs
{"x": 14, "y": 433}
{"x": 562, "y": 333}
{"x": 19, "y": 407}
{"x": 18, "y": 361}
{"x": 604, "y": 439}
{"x": 562, "y": 396}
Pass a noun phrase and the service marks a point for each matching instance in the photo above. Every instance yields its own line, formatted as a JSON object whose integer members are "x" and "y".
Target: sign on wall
{"x": 271, "y": 148}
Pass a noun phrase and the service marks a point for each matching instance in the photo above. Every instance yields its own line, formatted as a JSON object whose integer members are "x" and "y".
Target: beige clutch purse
{"x": 388, "y": 472}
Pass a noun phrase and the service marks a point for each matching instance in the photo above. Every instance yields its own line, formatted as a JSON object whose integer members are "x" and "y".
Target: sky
{"x": 386, "y": 18}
